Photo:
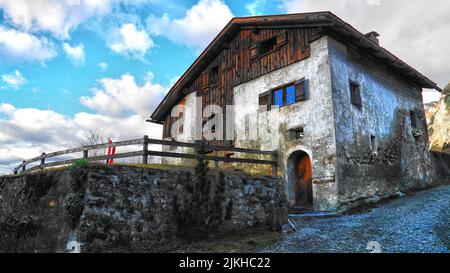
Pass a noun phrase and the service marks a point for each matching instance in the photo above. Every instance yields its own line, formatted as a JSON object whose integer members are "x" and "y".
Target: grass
{"x": 249, "y": 240}
{"x": 179, "y": 167}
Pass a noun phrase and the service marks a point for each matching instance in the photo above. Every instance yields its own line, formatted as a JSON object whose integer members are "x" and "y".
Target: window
{"x": 355, "y": 94}
{"x": 297, "y": 133}
{"x": 278, "y": 98}
{"x": 412, "y": 116}
{"x": 267, "y": 45}
{"x": 285, "y": 95}
{"x": 373, "y": 144}
{"x": 214, "y": 75}
{"x": 290, "y": 94}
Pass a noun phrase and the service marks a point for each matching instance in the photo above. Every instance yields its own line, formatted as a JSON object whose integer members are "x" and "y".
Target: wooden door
{"x": 304, "y": 195}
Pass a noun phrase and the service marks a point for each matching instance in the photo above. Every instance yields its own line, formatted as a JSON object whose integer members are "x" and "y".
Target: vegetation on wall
{"x": 74, "y": 199}
{"x": 201, "y": 208}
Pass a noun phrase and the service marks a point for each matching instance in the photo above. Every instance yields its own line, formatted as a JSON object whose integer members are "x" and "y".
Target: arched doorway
{"x": 304, "y": 190}
{"x": 300, "y": 179}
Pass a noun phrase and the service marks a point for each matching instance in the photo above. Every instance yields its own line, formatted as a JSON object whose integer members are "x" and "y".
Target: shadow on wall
{"x": 441, "y": 165}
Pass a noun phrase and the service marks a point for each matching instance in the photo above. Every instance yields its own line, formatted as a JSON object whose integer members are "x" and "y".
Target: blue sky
{"x": 58, "y": 83}
{"x": 67, "y": 66}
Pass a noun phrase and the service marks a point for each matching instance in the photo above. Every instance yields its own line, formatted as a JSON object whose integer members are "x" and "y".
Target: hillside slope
{"x": 438, "y": 118}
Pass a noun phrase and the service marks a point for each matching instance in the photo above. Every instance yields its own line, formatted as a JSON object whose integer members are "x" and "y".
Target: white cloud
{"x": 17, "y": 46}
{"x": 14, "y": 80}
{"x": 256, "y": 7}
{"x": 417, "y": 33}
{"x": 119, "y": 97}
{"x": 103, "y": 66}
{"x": 53, "y": 16}
{"x": 129, "y": 41}
{"x": 75, "y": 54}
{"x": 120, "y": 106}
{"x": 201, "y": 23}
{"x": 60, "y": 17}
{"x": 28, "y": 132}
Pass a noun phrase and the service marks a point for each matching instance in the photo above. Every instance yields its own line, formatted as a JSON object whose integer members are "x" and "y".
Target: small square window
{"x": 214, "y": 75}
{"x": 297, "y": 133}
{"x": 355, "y": 94}
{"x": 268, "y": 45}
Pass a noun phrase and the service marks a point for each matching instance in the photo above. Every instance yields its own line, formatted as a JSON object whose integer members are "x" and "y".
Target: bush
{"x": 200, "y": 209}
{"x": 79, "y": 164}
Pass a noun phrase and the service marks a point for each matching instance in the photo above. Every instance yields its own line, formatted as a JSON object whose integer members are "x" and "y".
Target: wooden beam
{"x": 208, "y": 147}
{"x": 95, "y": 158}
{"x": 211, "y": 158}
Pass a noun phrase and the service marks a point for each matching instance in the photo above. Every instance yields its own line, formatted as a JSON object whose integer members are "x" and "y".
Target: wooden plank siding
{"x": 236, "y": 65}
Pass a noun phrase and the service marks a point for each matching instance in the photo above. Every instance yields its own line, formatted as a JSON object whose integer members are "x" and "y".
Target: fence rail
{"x": 145, "y": 153}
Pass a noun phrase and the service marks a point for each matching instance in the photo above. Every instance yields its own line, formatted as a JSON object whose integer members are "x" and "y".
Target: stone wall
{"x": 114, "y": 208}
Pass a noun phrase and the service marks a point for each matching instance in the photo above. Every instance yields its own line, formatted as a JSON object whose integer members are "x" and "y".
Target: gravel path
{"x": 418, "y": 223}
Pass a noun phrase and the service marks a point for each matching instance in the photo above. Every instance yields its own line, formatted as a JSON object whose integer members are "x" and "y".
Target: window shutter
{"x": 300, "y": 91}
{"x": 265, "y": 100}
{"x": 281, "y": 39}
{"x": 253, "y": 52}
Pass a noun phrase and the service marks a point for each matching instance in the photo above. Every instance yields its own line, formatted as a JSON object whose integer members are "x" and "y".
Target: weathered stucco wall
{"x": 188, "y": 119}
{"x": 314, "y": 114}
{"x": 396, "y": 160}
{"x": 114, "y": 208}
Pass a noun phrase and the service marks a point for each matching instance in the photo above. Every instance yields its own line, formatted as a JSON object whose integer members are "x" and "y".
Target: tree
{"x": 200, "y": 209}
{"x": 93, "y": 137}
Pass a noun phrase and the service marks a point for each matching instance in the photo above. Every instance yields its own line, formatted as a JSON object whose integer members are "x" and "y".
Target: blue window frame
{"x": 285, "y": 95}
{"x": 278, "y": 97}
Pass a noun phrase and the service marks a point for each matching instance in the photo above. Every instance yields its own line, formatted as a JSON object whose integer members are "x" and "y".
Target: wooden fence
{"x": 145, "y": 153}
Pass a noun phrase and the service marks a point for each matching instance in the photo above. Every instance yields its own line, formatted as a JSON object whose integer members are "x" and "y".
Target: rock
{"x": 287, "y": 229}
{"x": 249, "y": 189}
{"x": 279, "y": 218}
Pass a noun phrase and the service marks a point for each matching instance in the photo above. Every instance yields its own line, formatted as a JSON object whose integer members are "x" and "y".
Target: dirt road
{"x": 417, "y": 223}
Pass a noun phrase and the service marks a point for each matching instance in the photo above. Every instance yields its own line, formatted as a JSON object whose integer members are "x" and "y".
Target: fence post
{"x": 85, "y": 154}
{"x": 23, "y": 167}
{"x": 275, "y": 164}
{"x": 145, "y": 156}
{"x": 42, "y": 161}
{"x": 216, "y": 163}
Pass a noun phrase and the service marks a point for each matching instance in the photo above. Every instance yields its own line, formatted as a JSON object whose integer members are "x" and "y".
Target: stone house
{"x": 349, "y": 124}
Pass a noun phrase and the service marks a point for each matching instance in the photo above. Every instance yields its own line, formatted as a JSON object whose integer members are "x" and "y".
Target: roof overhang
{"x": 316, "y": 19}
